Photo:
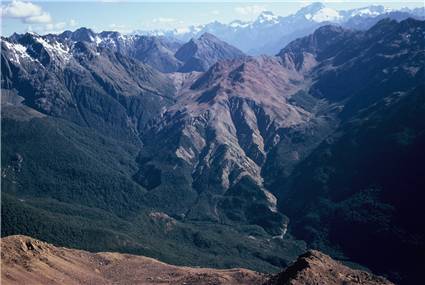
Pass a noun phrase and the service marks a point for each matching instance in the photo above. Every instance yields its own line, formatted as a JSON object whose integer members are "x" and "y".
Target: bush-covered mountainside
{"x": 74, "y": 187}
{"x": 234, "y": 162}
{"x": 361, "y": 188}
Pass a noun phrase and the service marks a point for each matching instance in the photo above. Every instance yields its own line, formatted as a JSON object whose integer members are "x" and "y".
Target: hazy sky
{"x": 126, "y": 16}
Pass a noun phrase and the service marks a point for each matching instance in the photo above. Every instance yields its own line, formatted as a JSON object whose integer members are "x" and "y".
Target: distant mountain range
{"x": 201, "y": 46}
{"x": 269, "y": 33}
{"x": 198, "y": 154}
{"x": 158, "y": 52}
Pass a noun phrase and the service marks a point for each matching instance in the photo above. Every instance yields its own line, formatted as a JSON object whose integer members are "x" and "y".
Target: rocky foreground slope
{"x": 29, "y": 261}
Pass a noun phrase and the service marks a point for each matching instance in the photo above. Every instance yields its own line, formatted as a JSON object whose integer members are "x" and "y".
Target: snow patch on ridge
{"x": 57, "y": 49}
{"x": 370, "y": 11}
{"x": 267, "y": 17}
{"x": 326, "y": 14}
{"x": 239, "y": 24}
{"x": 18, "y": 52}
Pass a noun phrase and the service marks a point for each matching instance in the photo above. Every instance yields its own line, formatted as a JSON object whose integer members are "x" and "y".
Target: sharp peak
{"x": 84, "y": 29}
{"x": 31, "y": 33}
{"x": 26, "y": 34}
{"x": 207, "y": 35}
{"x": 266, "y": 16}
{"x": 311, "y": 8}
{"x": 24, "y": 37}
{"x": 316, "y": 5}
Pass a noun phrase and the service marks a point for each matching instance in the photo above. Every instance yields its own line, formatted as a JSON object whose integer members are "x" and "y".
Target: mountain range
{"x": 268, "y": 33}
{"x": 158, "y": 52}
{"x": 198, "y": 154}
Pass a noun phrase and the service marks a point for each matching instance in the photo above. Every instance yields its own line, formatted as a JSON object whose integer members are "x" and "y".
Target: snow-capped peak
{"x": 239, "y": 24}
{"x": 267, "y": 17}
{"x": 311, "y": 9}
{"x": 325, "y": 15}
{"x": 184, "y": 30}
{"x": 27, "y": 48}
{"x": 55, "y": 49}
{"x": 374, "y": 10}
{"x": 17, "y": 51}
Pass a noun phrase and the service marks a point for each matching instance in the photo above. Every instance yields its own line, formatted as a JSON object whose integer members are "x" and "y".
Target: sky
{"x": 126, "y": 16}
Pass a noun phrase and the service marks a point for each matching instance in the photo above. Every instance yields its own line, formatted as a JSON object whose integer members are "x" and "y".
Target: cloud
{"x": 34, "y": 15}
{"x": 54, "y": 27}
{"x": 215, "y": 12}
{"x": 162, "y": 23}
{"x": 72, "y": 23}
{"x": 120, "y": 28}
{"x": 164, "y": 20}
{"x": 250, "y": 10}
{"x": 43, "y": 18}
{"x": 27, "y": 12}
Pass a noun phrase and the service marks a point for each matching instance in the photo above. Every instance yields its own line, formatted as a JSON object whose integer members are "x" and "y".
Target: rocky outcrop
{"x": 315, "y": 267}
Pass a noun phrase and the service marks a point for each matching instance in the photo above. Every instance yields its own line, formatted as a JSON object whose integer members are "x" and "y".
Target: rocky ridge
{"x": 315, "y": 267}
{"x": 29, "y": 261}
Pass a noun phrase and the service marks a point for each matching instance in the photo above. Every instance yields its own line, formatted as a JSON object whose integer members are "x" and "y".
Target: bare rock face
{"x": 315, "y": 267}
{"x": 29, "y": 261}
{"x": 220, "y": 129}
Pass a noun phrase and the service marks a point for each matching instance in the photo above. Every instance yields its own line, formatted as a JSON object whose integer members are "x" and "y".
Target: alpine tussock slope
{"x": 29, "y": 261}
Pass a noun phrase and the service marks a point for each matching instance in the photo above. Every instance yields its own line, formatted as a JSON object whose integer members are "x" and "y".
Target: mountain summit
{"x": 199, "y": 54}
{"x": 311, "y": 8}
{"x": 267, "y": 17}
